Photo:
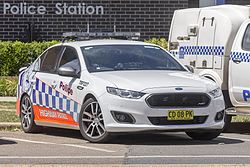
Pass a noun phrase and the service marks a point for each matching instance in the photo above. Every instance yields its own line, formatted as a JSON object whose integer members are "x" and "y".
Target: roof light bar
{"x": 101, "y": 35}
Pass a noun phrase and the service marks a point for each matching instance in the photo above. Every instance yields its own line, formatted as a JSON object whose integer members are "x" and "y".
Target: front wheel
{"x": 91, "y": 122}
{"x": 204, "y": 135}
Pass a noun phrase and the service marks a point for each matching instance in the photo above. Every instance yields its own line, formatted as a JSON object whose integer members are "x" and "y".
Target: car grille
{"x": 164, "y": 121}
{"x": 187, "y": 100}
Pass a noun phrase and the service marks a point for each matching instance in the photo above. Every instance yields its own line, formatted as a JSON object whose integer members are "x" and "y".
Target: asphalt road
{"x": 68, "y": 147}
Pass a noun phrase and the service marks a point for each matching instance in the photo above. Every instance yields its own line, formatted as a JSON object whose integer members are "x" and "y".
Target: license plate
{"x": 180, "y": 115}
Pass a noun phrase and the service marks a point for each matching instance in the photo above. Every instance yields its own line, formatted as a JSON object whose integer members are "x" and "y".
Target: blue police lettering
{"x": 66, "y": 88}
{"x": 246, "y": 94}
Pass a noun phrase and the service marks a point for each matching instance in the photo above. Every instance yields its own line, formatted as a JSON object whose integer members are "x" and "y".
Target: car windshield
{"x": 128, "y": 57}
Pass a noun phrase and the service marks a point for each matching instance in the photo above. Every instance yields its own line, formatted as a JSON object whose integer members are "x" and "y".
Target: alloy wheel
{"x": 92, "y": 120}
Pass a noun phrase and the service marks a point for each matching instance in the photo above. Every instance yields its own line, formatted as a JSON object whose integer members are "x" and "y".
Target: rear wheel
{"x": 27, "y": 115}
{"x": 91, "y": 122}
{"x": 204, "y": 135}
{"x": 228, "y": 119}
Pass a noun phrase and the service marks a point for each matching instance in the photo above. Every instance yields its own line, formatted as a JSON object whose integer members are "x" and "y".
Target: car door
{"x": 68, "y": 86}
{"x": 206, "y": 36}
{"x": 239, "y": 68}
{"x": 183, "y": 36}
{"x": 44, "y": 93}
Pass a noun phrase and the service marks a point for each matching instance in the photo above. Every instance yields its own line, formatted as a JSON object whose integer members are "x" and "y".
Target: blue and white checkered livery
{"x": 45, "y": 96}
{"x": 199, "y": 51}
{"x": 243, "y": 56}
{"x": 202, "y": 50}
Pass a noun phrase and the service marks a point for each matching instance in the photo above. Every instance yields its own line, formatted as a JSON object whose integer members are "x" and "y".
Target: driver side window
{"x": 70, "y": 59}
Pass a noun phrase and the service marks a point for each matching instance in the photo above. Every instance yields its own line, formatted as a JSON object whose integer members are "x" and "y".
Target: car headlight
{"x": 216, "y": 92}
{"x": 125, "y": 93}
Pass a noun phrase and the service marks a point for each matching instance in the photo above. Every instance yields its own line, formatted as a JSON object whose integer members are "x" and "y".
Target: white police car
{"x": 106, "y": 86}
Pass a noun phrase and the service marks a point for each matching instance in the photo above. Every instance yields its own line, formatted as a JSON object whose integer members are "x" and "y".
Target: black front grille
{"x": 164, "y": 121}
{"x": 178, "y": 100}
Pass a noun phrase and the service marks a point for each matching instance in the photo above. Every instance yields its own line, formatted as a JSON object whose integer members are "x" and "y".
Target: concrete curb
{"x": 8, "y": 99}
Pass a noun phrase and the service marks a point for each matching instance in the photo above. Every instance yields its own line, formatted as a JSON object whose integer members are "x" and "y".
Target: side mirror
{"x": 22, "y": 69}
{"x": 190, "y": 68}
{"x": 67, "y": 71}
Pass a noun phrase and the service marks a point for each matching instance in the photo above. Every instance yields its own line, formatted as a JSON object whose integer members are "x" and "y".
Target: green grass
{"x": 8, "y": 105}
{"x": 8, "y": 112}
{"x": 8, "y": 116}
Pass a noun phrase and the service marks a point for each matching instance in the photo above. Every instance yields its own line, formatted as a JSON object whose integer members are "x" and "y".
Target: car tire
{"x": 228, "y": 119}
{"x": 27, "y": 116}
{"x": 91, "y": 122}
{"x": 204, "y": 135}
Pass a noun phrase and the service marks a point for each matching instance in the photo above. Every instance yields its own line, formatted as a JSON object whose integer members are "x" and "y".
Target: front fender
{"x": 210, "y": 74}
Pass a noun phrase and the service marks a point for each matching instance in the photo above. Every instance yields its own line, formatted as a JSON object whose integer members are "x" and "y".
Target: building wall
{"x": 193, "y": 3}
{"x": 150, "y": 17}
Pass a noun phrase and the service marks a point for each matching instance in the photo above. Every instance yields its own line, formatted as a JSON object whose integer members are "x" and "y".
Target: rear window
{"x": 246, "y": 39}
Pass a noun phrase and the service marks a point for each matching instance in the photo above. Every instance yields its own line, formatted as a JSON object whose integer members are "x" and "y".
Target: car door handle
{"x": 237, "y": 60}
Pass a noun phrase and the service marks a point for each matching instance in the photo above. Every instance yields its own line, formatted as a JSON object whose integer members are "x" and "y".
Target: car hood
{"x": 142, "y": 80}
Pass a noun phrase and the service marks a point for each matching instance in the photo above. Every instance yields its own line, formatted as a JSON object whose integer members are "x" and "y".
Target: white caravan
{"x": 216, "y": 42}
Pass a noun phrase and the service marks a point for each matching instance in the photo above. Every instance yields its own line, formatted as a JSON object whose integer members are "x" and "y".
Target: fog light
{"x": 122, "y": 117}
{"x": 219, "y": 116}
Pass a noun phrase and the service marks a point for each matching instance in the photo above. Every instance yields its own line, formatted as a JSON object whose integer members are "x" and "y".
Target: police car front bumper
{"x": 141, "y": 113}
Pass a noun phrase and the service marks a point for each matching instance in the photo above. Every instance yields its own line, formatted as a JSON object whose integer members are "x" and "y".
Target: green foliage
{"x": 8, "y": 86}
{"x": 14, "y": 55}
{"x": 158, "y": 41}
